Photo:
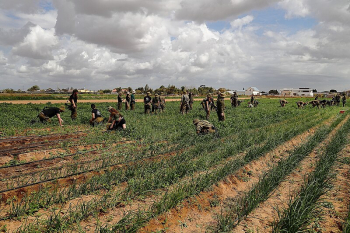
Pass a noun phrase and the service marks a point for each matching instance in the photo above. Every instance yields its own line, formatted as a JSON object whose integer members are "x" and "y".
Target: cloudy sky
{"x": 102, "y": 44}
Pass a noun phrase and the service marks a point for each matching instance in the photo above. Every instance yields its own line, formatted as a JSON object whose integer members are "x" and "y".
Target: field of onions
{"x": 267, "y": 169}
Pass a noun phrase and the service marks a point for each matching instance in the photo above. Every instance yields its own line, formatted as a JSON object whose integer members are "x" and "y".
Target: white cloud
{"x": 38, "y": 44}
{"x": 118, "y": 43}
{"x": 239, "y": 23}
{"x": 295, "y": 8}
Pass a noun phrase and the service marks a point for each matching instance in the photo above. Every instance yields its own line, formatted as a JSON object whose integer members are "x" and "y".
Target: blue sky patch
{"x": 269, "y": 19}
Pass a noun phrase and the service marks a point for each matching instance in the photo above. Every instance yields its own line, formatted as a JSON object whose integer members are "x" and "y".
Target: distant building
{"x": 252, "y": 91}
{"x": 239, "y": 92}
{"x": 302, "y": 91}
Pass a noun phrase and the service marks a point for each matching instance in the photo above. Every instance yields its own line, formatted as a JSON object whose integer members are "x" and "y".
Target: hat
{"x": 156, "y": 95}
{"x": 109, "y": 108}
{"x": 148, "y": 92}
{"x": 209, "y": 95}
{"x": 62, "y": 108}
{"x": 195, "y": 121}
{"x": 133, "y": 91}
{"x": 222, "y": 95}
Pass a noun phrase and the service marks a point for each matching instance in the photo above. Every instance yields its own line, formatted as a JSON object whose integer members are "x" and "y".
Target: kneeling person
{"x": 96, "y": 117}
{"x": 116, "y": 120}
{"x": 47, "y": 113}
{"x": 203, "y": 126}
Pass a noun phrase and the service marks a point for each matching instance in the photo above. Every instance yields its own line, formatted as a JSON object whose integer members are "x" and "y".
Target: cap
{"x": 195, "y": 121}
{"x": 148, "y": 92}
{"x": 62, "y": 108}
{"x": 109, "y": 108}
{"x": 222, "y": 95}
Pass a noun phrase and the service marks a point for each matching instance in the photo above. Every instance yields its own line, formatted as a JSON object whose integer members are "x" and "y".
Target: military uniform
{"x": 156, "y": 104}
{"x": 120, "y": 101}
{"x": 162, "y": 102}
{"x": 185, "y": 105}
{"x": 221, "y": 107}
{"x": 206, "y": 104}
{"x": 234, "y": 100}
{"x": 190, "y": 95}
{"x": 73, "y": 99}
{"x": 147, "y": 103}
{"x": 283, "y": 103}
{"x": 203, "y": 126}
{"x": 344, "y": 100}
{"x": 132, "y": 101}
{"x": 127, "y": 101}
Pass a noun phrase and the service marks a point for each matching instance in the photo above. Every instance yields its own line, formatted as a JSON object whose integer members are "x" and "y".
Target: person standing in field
{"x": 116, "y": 120}
{"x": 73, "y": 99}
{"x": 147, "y": 103}
{"x": 120, "y": 101}
{"x": 132, "y": 100}
{"x": 185, "y": 105}
{"x": 252, "y": 99}
{"x": 220, "y": 103}
{"x": 127, "y": 101}
{"x": 96, "y": 116}
{"x": 162, "y": 101}
{"x": 191, "y": 97}
{"x": 344, "y": 100}
{"x": 203, "y": 127}
{"x": 156, "y": 104}
{"x": 47, "y": 113}
{"x": 207, "y": 103}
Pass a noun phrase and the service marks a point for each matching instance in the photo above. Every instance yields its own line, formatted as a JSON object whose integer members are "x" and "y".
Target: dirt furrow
{"x": 198, "y": 213}
{"x": 260, "y": 219}
{"x": 336, "y": 201}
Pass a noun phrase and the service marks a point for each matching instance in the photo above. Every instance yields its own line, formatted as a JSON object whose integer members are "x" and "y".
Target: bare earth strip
{"x": 261, "y": 218}
{"x": 195, "y": 214}
{"x": 337, "y": 200}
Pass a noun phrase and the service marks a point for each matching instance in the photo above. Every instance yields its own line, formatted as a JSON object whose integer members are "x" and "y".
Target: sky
{"x": 234, "y": 44}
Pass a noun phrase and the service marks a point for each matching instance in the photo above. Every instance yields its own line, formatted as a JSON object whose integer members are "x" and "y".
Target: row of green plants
{"x": 243, "y": 139}
{"x": 191, "y": 188}
{"x": 236, "y": 210}
{"x": 305, "y": 206}
{"x": 172, "y": 127}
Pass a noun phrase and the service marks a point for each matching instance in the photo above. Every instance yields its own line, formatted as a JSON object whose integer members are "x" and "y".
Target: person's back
{"x": 51, "y": 111}
{"x": 203, "y": 126}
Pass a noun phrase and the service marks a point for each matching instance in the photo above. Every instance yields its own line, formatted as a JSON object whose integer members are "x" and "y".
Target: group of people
{"x": 129, "y": 101}
{"x": 157, "y": 105}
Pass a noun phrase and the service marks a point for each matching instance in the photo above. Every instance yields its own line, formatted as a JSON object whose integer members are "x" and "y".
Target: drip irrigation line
{"x": 11, "y": 139}
{"x": 79, "y": 173}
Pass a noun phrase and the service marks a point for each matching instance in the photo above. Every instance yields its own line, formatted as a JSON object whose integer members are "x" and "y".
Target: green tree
{"x": 34, "y": 88}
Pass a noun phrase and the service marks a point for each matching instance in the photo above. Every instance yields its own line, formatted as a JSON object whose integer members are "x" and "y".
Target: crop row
{"x": 200, "y": 158}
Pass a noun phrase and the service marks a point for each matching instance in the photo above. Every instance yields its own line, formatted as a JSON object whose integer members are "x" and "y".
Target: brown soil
{"x": 335, "y": 212}
{"x": 198, "y": 213}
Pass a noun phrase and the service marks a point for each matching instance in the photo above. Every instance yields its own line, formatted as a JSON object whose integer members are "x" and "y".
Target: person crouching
{"x": 96, "y": 116}
{"x": 116, "y": 120}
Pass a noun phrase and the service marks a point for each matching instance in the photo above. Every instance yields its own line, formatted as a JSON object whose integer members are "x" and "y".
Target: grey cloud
{"x": 14, "y": 36}
{"x": 208, "y": 10}
{"x": 26, "y": 6}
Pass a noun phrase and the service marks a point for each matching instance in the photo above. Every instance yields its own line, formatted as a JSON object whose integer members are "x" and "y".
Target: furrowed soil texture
{"x": 157, "y": 175}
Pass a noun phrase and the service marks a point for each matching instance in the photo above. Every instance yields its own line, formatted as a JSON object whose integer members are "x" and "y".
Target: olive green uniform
{"x": 204, "y": 127}
{"x": 220, "y": 108}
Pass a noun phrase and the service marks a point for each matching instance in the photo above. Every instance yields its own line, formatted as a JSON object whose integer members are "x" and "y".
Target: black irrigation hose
{"x": 10, "y": 139}
{"x": 46, "y": 159}
{"x": 79, "y": 173}
{"x": 31, "y": 146}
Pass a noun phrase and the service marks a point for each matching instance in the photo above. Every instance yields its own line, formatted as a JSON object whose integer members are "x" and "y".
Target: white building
{"x": 252, "y": 91}
{"x": 302, "y": 91}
